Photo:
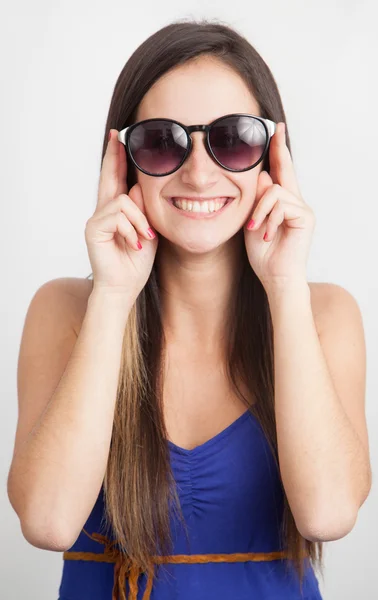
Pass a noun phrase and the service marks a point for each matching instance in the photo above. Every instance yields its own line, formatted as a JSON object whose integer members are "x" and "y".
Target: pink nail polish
{"x": 139, "y": 245}
{"x": 151, "y": 233}
{"x": 265, "y": 235}
{"x": 250, "y": 224}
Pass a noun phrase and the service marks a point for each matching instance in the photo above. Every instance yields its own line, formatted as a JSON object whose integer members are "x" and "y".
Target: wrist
{"x": 116, "y": 298}
{"x": 284, "y": 287}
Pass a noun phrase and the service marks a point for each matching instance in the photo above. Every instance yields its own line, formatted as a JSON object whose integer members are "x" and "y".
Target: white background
{"x": 59, "y": 64}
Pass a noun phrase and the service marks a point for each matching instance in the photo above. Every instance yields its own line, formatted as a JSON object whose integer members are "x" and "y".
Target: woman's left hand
{"x": 282, "y": 215}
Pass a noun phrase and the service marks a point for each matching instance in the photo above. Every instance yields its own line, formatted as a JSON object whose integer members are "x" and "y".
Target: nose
{"x": 199, "y": 170}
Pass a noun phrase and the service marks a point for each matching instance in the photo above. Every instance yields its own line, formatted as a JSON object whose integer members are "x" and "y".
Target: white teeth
{"x": 203, "y": 207}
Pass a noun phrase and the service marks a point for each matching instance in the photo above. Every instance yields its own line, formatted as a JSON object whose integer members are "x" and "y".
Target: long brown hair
{"x": 138, "y": 484}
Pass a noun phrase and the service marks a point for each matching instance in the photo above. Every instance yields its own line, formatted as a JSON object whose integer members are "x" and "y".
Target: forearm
{"x": 322, "y": 461}
{"x": 56, "y": 476}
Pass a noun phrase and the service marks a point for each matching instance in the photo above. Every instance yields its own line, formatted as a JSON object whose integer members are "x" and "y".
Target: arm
{"x": 319, "y": 403}
{"x": 59, "y": 464}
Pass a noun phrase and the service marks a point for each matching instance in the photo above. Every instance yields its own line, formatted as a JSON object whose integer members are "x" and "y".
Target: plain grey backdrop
{"x": 59, "y": 64}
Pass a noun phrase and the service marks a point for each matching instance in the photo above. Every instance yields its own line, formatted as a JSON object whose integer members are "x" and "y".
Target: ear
{"x": 136, "y": 196}
{"x": 264, "y": 182}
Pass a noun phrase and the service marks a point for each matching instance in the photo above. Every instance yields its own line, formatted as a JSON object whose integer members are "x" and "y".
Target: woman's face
{"x": 198, "y": 93}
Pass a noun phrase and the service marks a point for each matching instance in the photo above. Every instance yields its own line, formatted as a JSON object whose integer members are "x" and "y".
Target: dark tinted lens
{"x": 158, "y": 147}
{"x": 238, "y": 142}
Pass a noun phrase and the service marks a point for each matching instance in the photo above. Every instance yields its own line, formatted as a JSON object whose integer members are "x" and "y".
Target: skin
{"x": 198, "y": 259}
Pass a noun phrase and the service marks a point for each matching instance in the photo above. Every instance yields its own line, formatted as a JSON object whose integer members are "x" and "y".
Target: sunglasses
{"x": 237, "y": 142}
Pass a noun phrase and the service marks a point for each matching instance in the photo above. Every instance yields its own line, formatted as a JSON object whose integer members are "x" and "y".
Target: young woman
{"x": 192, "y": 421}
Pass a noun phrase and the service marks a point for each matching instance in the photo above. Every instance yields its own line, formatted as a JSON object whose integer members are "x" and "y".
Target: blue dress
{"x": 232, "y": 502}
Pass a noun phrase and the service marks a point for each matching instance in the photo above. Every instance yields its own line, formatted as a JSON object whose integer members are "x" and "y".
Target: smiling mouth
{"x": 200, "y": 208}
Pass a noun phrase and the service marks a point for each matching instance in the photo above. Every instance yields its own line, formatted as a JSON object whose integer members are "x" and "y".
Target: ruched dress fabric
{"x": 232, "y": 502}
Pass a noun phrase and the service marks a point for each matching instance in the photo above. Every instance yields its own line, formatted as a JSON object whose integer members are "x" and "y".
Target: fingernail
{"x": 151, "y": 233}
{"x": 139, "y": 245}
{"x": 250, "y": 224}
{"x": 110, "y": 135}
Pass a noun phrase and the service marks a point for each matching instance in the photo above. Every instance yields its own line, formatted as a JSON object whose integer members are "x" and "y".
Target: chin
{"x": 199, "y": 245}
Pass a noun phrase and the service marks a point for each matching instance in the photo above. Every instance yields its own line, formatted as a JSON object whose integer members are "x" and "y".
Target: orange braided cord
{"x": 125, "y": 568}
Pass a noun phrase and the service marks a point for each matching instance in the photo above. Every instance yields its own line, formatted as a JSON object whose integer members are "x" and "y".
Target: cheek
{"x": 150, "y": 188}
{"x": 145, "y": 184}
{"x": 248, "y": 187}
{"x": 249, "y": 200}
{"x": 153, "y": 196}
{"x": 154, "y": 189}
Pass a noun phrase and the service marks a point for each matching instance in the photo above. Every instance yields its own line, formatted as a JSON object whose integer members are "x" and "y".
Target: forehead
{"x": 198, "y": 92}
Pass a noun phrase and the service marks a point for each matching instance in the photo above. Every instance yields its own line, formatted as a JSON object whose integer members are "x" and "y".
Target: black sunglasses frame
{"x": 269, "y": 126}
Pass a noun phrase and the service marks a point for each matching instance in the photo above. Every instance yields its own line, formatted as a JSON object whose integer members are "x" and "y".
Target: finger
{"x": 280, "y": 161}
{"x": 264, "y": 182}
{"x": 109, "y": 225}
{"x": 136, "y": 196}
{"x": 275, "y": 219}
{"x": 132, "y": 206}
{"x": 128, "y": 231}
{"x": 267, "y": 202}
{"x": 122, "y": 170}
{"x": 109, "y": 176}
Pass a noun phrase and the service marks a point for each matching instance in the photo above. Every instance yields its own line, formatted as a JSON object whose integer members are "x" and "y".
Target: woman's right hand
{"x": 111, "y": 234}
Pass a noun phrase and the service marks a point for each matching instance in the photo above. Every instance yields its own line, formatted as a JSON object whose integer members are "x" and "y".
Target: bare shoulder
{"x": 79, "y": 288}
{"x": 74, "y": 292}
{"x": 332, "y": 303}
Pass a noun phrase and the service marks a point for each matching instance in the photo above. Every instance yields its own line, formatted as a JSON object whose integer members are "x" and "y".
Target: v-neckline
{"x": 197, "y": 449}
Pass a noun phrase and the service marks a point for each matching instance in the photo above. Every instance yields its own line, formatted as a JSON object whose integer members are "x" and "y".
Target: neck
{"x": 196, "y": 292}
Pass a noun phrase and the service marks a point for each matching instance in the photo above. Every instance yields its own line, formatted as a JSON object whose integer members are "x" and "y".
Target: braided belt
{"x": 124, "y": 566}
